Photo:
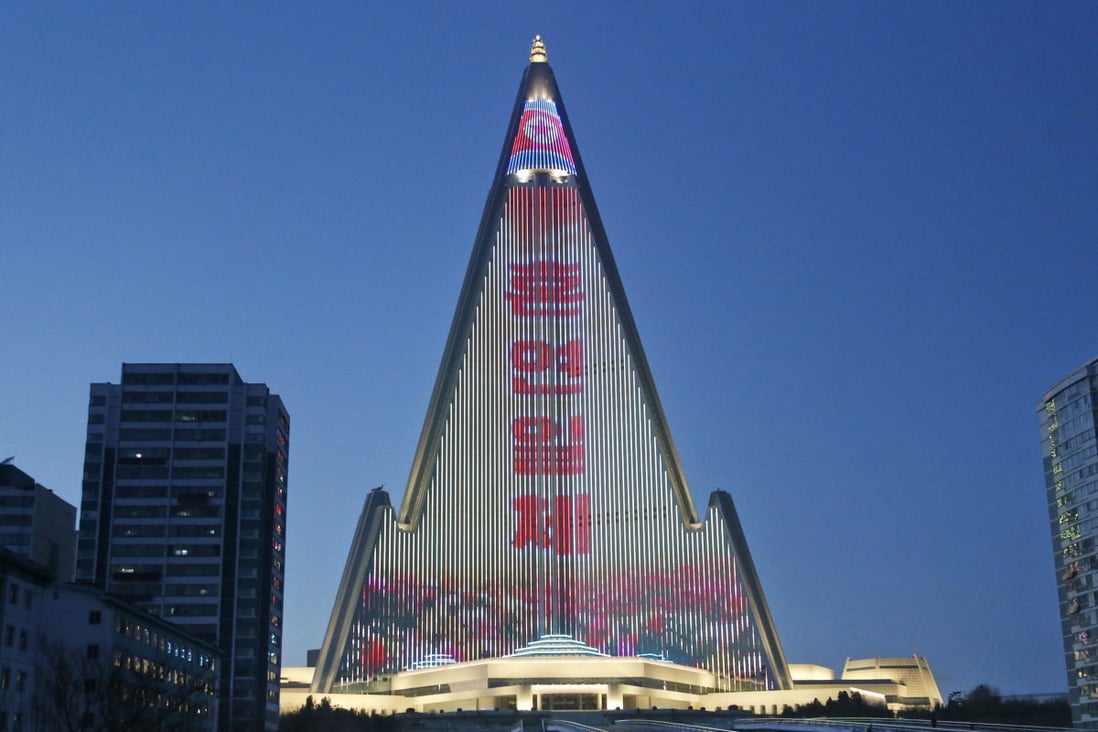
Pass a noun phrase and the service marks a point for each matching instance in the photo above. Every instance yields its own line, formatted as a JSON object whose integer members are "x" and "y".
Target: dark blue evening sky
{"x": 859, "y": 240}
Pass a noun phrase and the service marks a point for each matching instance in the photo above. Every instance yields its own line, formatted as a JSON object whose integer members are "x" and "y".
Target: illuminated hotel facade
{"x": 547, "y": 547}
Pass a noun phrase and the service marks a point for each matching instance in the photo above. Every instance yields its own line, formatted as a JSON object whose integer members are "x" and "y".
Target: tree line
{"x": 983, "y": 704}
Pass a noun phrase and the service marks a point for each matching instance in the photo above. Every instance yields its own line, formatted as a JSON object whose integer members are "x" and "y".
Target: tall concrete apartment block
{"x": 1068, "y": 416}
{"x": 184, "y": 515}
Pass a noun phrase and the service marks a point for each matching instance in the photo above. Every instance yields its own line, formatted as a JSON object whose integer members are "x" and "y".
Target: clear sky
{"x": 859, "y": 241}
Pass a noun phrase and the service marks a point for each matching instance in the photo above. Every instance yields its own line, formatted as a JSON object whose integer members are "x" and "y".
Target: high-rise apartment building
{"x": 184, "y": 515}
{"x": 37, "y": 523}
{"x": 1068, "y": 416}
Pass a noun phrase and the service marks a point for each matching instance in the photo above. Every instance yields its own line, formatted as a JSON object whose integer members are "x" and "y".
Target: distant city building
{"x": 23, "y": 585}
{"x": 913, "y": 672}
{"x": 72, "y": 657}
{"x": 547, "y": 553}
{"x": 184, "y": 515}
{"x": 1068, "y": 416}
{"x": 36, "y": 523}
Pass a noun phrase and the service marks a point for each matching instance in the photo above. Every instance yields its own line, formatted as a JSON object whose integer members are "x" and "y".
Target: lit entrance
{"x": 569, "y": 702}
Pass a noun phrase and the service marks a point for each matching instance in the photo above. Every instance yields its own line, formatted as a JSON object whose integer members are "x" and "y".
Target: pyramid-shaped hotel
{"x": 547, "y": 553}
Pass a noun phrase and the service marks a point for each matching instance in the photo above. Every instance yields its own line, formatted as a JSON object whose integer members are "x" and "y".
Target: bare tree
{"x": 74, "y": 693}
{"x": 58, "y": 703}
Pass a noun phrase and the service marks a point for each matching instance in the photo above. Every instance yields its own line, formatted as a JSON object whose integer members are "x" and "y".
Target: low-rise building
{"x": 573, "y": 678}
{"x": 73, "y": 657}
{"x": 135, "y": 666}
{"x": 22, "y": 593}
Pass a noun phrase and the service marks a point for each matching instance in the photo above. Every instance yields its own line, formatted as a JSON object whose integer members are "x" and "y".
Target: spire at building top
{"x": 537, "y": 52}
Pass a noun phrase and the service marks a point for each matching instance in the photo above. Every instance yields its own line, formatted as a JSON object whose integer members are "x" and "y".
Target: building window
{"x": 5, "y": 678}
{"x": 21, "y": 681}
{"x": 27, "y": 598}
{"x": 93, "y": 651}
{"x": 13, "y": 594}
{"x": 22, "y": 640}
{"x": 94, "y": 617}
{"x": 9, "y": 636}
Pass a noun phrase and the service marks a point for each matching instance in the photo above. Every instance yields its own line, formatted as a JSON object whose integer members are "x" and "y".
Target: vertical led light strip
{"x": 540, "y": 143}
{"x": 459, "y": 586}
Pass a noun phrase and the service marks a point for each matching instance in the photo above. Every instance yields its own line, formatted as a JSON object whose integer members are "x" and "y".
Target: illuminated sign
{"x": 539, "y": 367}
{"x": 540, "y": 143}
{"x": 546, "y": 447}
{"x": 545, "y": 288}
{"x": 563, "y": 525}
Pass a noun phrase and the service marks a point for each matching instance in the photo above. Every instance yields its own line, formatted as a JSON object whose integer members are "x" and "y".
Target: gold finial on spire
{"x": 537, "y": 52}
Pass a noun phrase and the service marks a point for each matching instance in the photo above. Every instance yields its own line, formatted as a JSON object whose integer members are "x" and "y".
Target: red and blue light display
{"x": 540, "y": 143}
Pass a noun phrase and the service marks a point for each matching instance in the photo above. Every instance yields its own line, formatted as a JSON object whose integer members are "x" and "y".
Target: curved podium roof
{"x": 546, "y": 497}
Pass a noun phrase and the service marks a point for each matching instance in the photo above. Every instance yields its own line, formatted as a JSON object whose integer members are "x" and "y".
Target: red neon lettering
{"x": 570, "y": 359}
{"x": 530, "y": 356}
{"x": 532, "y": 429}
{"x": 544, "y": 447}
{"x": 566, "y": 528}
{"x": 550, "y": 460}
{"x": 571, "y": 522}
{"x": 531, "y": 525}
{"x": 545, "y": 288}
{"x": 535, "y": 361}
{"x": 545, "y": 430}
{"x": 576, "y": 429}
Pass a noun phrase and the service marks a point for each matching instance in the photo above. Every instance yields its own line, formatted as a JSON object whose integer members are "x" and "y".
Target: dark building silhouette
{"x": 37, "y": 523}
{"x": 184, "y": 515}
